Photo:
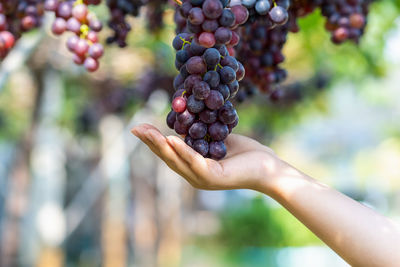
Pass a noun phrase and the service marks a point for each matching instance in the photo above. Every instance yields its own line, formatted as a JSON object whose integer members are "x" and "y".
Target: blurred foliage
{"x": 258, "y": 224}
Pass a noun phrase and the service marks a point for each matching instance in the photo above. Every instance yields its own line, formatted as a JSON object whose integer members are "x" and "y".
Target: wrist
{"x": 274, "y": 172}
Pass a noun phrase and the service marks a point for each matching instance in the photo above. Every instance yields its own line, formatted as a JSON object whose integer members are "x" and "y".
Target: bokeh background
{"x": 77, "y": 189}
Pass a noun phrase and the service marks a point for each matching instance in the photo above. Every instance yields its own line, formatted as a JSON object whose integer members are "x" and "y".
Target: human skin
{"x": 357, "y": 233}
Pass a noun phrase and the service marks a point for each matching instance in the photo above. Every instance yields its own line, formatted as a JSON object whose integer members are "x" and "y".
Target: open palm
{"x": 243, "y": 167}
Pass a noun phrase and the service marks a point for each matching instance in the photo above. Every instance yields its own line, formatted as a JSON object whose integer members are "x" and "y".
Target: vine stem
{"x": 179, "y": 2}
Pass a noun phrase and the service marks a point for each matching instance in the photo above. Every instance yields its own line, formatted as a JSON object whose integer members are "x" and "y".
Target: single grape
{"x": 198, "y": 130}
{"x": 217, "y": 150}
{"x": 91, "y": 64}
{"x": 179, "y": 104}
{"x": 196, "y": 16}
{"x": 227, "y": 75}
{"x": 212, "y": 78}
{"x": 201, "y": 146}
{"x": 201, "y": 90}
{"x": 227, "y": 114}
{"x": 96, "y": 50}
{"x": 208, "y": 116}
{"x": 212, "y": 9}
{"x": 171, "y": 118}
{"x": 262, "y": 7}
{"x": 196, "y": 65}
{"x": 212, "y": 56}
{"x": 215, "y": 100}
{"x": 186, "y": 118}
{"x": 218, "y": 131}
{"x": 279, "y": 15}
{"x": 194, "y": 105}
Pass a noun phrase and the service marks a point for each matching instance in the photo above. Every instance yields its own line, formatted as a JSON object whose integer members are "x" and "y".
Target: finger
{"x": 163, "y": 149}
{"x": 143, "y": 131}
{"x": 196, "y": 161}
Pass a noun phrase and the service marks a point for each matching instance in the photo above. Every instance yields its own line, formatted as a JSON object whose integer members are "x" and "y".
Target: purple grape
{"x": 171, "y": 118}
{"x": 198, "y": 130}
{"x": 185, "y": 118}
{"x": 227, "y": 114}
{"x": 218, "y": 131}
{"x": 217, "y": 150}
{"x": 180, "y": 128}
{"x": 227, "y": 75}
{"x": 201, "y": 146}
{"x": 189, "y": 141}
{"x": 212, "y": 78}
{"x": 208, "y": 116}
{"x": 196, "y": 16}
{"x": 212, "y": 9}
{"x": 196, "y": 65}
{"x": 215, "y": 100}
{"x": 194, "y": 105}
{"x": 201, "y": 90}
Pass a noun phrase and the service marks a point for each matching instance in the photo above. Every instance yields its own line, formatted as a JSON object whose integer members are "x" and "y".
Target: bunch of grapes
{"x": 208, "y": 75}
{"x": 155, "y": 12}
{"x": 211, "y": 21}
{"x": 346, "y": 19}
{"x": 74, "y": 16}
{"x": 17, "y": 17}
{"x": 272, "y": 12}
{"x": 261, "y": 50}
{"x": 119, "y": 9}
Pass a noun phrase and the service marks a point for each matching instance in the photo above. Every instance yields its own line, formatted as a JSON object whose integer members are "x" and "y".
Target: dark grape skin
{"x": 215, "y": 100}
{"x": 210, "y": 25}
{"x": 208, "y": 116}
{"x": 196, "y": 2}
{"x": 227, "y": 75}
{"x": 218, "y": 131}
{"x": 212, "y": 56}
{"x": 230, "y": 62}
{"x": 223, "y": 35}
{"x": 227, "y": 114}
{"x": 212, "y": 78}
{"x": 233, "y": 88}
{"x": 178, "y": 81}
{"x": 212, "y": 9}
{"x": 180, "y": 128}
{"x": 171, "y": 118}
{"x": 189, "y": 140}
{"x": 196, "y": 16}
{"x": 182, "y": 56}
{"x": 185, "y": 118}
{"x": 198, "y": 130}
{"x": 191, "y": 81}
{"x": 240, "y": 73}
{"x": 201, "y": 146}
{"x": 227, "y": 18}
{"x": 194, "y": 105}
{"x": 196, "y": 49}
{"x": 217, "y": 150}
{"x": 196, "y": 65}
{"x": 201, "y": 90}
{"x": 278, "y": 15}
{"x": 224, "y": 90}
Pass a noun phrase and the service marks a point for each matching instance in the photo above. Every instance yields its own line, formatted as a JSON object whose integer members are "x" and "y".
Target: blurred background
{"x": 77, "y": 189}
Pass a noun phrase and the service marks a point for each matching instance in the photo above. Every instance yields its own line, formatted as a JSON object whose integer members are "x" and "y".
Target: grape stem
{"x": 179, "y": 2}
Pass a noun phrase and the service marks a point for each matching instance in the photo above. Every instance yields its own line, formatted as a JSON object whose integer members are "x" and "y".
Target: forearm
{"x": 358, "y": 234}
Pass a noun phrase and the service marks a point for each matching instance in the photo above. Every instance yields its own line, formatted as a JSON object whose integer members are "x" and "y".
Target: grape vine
{"x": 213, "y": 38}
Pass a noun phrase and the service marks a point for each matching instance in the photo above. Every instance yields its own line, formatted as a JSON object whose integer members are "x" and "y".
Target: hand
{"x": 248, "y": 163}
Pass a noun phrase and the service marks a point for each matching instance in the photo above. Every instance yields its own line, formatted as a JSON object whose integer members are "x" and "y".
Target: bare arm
{"x": 358, "y": 234}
